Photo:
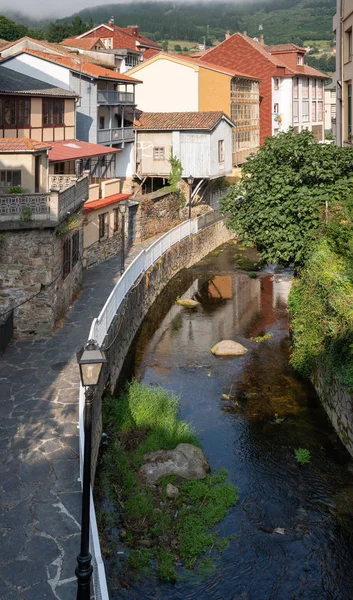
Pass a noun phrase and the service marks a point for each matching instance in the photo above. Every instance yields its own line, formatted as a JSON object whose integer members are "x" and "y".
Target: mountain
{"x": 281, "y": 20}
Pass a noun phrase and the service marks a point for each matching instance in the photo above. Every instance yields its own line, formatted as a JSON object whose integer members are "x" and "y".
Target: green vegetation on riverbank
{"x": 295, "y": 203}
{"x": 161, "y": 533}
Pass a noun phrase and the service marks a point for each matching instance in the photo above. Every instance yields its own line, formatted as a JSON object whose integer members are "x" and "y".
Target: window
{"x": 305, "y": 110}
{"x": 333, "y": 95}
{"x": 131, "y": 60}
{"x": 313, "y": 111}
{"x": 158, "y": 153}
{"x": 348, "y": 46}
{"x": 305, "y": 88}
{"x": 300, "y": 61}
{"x": 320, "y": 89}
{"x": 276, "y": 83}
{"x": 320, "y": 111}
{"x": 14, "y": 112}
{"x": 276, "y": 108}
{"x": 53, "y": 112}
{"x": 116, "y": 219}
{"x": 296, "y": 87}
{"x": 313, "y": 89}
{"x": 75, "y": 248}
{"x": 333, "y": 111}
{"x": 103, "y": 230}
{"x": 295, "y": 112}
{"x": 101, "y": 123}
{"x": 220, "y": 151}
{"x": 9, "y": 179}
{"x": 107, "y": 42}
{"x": 66, "y": 258}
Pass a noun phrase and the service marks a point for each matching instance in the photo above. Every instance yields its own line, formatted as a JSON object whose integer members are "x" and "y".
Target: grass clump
{"x": 263, "y": 337}
{"x": 159, "y": 531}
{"x": 302, "y": 456}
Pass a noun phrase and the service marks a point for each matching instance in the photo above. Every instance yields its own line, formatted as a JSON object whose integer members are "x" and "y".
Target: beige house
{"x": 330, "y": 109}
{"x": 343, "y": 77}
{"x": 34, "y": 109}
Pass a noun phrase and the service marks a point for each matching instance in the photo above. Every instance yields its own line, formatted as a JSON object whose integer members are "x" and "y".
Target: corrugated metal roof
{"x": 75, "y": 149}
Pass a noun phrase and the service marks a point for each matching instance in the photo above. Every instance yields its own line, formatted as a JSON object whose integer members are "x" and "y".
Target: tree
{"x": 282, "y": 196}
{"x": 56, "y": 32}
{"x": 77, "y": 26}
{"x": 177, "y": 48}
{"x": 11, "y": 31}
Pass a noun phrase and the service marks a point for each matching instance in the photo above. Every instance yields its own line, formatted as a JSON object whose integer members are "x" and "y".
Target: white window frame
{"x": 158, "y": 153}
{"x": 221, "y": 151}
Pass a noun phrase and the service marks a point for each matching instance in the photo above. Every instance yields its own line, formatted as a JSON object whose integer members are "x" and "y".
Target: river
{"x": 269, "y": 413}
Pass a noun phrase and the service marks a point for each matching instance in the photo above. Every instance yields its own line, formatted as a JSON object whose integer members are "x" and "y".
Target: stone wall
{"x": 338, "y": 404}
{"x": 158, "y": 212}
{"x": 31, "y": 261}
{"x": 103, "y": 249}
{"x": 136, "y": 305}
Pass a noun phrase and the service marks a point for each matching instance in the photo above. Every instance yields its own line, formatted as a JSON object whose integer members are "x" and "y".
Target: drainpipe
{"x": 339, "y": 73}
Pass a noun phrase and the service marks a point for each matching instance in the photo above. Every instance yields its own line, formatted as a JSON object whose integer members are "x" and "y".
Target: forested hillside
{"x": 282, "y": 20}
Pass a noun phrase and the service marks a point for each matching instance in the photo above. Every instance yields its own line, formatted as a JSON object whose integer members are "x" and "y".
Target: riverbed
{"x": 292, "y": 526}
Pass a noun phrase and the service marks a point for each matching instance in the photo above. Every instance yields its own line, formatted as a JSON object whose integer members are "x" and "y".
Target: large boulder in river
{"x": 228, "y": 348}
{"x": 185, "y": 461}
{"x": 188, "y": 302}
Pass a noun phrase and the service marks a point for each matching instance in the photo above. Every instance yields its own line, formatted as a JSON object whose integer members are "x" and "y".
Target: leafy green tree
{"x": 77, "y": 26}
{"x": 177, "y": 48}
{"x": 11, "y": 31}
{"x": 164, "y": 45}
{"x": 56, "y": 32}
{"x": 279, "y": 204}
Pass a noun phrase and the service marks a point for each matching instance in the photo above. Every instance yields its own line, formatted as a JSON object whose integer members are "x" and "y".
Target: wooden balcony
{"x": 114, "y": 136}
{"x": 106, "y": 97}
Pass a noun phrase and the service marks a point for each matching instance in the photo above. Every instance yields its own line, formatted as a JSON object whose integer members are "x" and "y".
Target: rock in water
{"x": 185, "y": 460}
{"x": 188, "y": 303}
{"x": 228, "y": 348}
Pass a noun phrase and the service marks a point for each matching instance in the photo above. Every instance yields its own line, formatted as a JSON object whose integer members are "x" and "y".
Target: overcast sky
{"x": 47, "y": 8}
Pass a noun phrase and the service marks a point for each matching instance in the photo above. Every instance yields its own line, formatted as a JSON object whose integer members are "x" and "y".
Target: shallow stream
{"x": 269, "y": 413}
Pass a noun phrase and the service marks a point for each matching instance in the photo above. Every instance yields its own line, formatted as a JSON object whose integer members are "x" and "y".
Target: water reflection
{"x": 253, "y": 432}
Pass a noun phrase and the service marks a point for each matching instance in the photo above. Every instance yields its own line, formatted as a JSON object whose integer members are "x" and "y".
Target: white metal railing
{"x": 98, "y": 331}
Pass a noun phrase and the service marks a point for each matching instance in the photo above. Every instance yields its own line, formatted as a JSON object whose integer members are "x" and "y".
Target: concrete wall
{"x": 214, "y": 91}
{"x": 41, "y": 69}
{"x": 26, "y": 164}
{"x": 137, "y": 303}
{"x": 338, "y": 404}
{"x": 168, "y": 86}
{"x": 86, "y": 107}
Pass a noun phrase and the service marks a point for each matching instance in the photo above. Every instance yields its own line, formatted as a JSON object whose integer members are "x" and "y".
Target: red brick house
{"x": 291, "y": 93}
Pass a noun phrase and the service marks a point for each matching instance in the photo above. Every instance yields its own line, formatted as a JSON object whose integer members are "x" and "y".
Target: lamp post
{"x": 190, "y": 181}
{"x": 123, "y": 210}
{"x": 90, "y": 359}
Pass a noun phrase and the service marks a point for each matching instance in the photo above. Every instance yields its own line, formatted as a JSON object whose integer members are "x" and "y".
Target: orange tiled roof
{"x": 83, "y": 66}
{"x": 84, "y": 43}
{"x": 22, "y": 145}
{"x": 150, "y": 52}
{"x": 75, "y": 149}
{"x": 47, "y": 45}
{"x": 211, "y": 65}
{"x": 176, "y": 121}
{"x": 102, "y": 202}
{"x": 123, "y": 37}
{"x": 284, "y": 48}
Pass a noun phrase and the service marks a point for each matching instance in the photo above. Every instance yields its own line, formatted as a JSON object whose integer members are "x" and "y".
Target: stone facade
{"x": 102, "y": 249}
{"x": 158, "y": 212}
{"x": 31, "y": 267}
{"x": 338, "y": 404}
{"x": 136, "y": 305}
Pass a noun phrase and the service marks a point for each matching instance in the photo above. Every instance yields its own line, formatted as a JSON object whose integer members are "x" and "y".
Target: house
{"x": 41, "y": 237}
{"x": 202, "y": 141}
{"x": 125, "y": 43}
{"x": 105, "y": 108}
{"x": 343, "y": 77}
{"x": 33, "y": 108}
{"x": 291, "y": 92}
{"x": 330, "y": 109}
{"x": 174, "y": 83}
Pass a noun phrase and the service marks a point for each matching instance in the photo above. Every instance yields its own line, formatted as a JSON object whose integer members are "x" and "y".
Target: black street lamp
{"x": 90, "y": 359}
{"x": 190, "y": 181}
{"x": 123, "y": 208}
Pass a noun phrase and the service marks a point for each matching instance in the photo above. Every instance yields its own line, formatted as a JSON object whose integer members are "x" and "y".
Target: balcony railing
{"x": 121, "y": 134}
{"x": 53, "y": 206}
{"x": 60, "y": 182}
{"x": 112, "y": 97}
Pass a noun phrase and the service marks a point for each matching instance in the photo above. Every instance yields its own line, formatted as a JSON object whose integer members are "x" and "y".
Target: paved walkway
{"x": 40, "y": 497}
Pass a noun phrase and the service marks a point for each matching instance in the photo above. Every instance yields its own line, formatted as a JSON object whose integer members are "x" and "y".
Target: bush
{"x": 16, "y": 190}
{"x": 280, "y": 202}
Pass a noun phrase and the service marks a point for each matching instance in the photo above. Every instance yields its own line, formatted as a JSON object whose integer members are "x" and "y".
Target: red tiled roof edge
{"x": 91, "y": 205}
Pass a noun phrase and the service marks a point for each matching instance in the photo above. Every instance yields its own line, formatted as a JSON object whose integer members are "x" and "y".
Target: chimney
{"x": 135, "y": 30}
{"x": 262, "y": 39}
{"x": 245, "y": 33}
{"x": 227, "y": 34}
{"x": 111, "y": 21}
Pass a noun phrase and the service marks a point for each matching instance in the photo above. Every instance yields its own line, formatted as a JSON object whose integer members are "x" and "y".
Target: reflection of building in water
{"x": 191, "y": 291}
{"x": 247, "y": 301}
{"x": 281, "y": 287}
{"x": 220, "y": 286}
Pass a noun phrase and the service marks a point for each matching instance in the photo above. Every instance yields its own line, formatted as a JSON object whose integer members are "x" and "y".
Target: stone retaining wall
{"x": 158, "y": 212}
{"x": 338, "y": 404}
{"x": 136, "y": 305}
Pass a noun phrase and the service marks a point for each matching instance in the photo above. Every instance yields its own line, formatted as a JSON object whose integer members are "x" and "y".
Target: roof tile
{"x": 22, "y": 145}
{"x": 175, "y": 121}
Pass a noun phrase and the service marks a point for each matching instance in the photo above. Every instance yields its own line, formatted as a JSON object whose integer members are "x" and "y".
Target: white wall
{"x": 167, "y": 87}
{"x": 39, "y": 69}
{"x": 125, "y": 161}
{"x": 283, "y": 97}
{"x": 222, "y": 132}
